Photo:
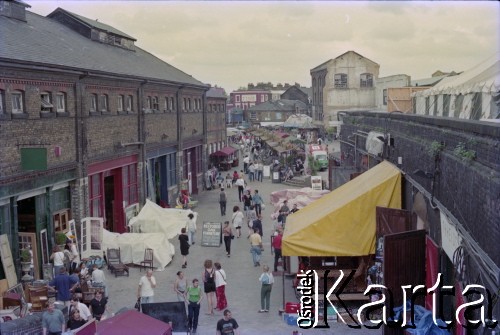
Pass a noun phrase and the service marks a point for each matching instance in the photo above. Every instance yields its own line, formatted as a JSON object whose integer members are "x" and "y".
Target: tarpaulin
{"x": 343, "y": 222}
{"x": 133, "y": 322}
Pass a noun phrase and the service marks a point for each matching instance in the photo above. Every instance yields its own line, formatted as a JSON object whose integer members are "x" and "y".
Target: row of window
{"x": 250, "y": 98}
{"x": 17, "y": 102}
{"x": 216, "y": 108}
{"x": 56, "y": 102}
{"x": 340, "y": 80}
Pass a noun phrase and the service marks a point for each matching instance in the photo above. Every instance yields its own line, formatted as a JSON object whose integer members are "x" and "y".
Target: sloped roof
{"x": 216, "y": 92}
{"x": 92, "y": 23}
{"x": 484, "y": 77}
{"x": 354, "y": 52}
{"x": 428, "y": 81}
{"x": 282, "y": 105}
{"x": 46, "y": 42}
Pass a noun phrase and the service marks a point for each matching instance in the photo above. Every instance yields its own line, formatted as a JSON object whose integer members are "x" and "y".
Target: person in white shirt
{"x": 74, "y": 257}
{"x": 145, "y": 291}
{"x": 58, "y": 258}
{"x": 220, "y": 287}
{"x": 191, "y": 228}
{"x": 246, "y": 160}
{"x": 99, "y": 279}
{"x": 82, "y": 308}
{"x": 267, "y": 280}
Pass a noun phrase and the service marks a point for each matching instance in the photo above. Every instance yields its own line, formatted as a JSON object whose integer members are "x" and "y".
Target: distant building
{"x": 216, "y": 119}
{"x": 245, "y": 99}
{"x": 346, "y": 82}
{"x": 274, "y": 111}
{"x": 299, "y": 93}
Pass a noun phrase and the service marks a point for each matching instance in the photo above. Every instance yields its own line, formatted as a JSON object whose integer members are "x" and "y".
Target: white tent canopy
{"x": 155, "y": 219}
{"x": 299, "y": 121}
{"x": 484, "y": 77}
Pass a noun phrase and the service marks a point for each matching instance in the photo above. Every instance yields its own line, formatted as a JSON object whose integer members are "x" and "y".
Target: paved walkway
{"x": 243, "y": 289}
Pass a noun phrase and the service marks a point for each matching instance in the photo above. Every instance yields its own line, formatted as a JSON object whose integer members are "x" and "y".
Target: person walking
{"x": 191, "y": 228}
{"x": 284, "y": 211}
{"x": 267, "y": 281}
{"x": 222, "y": 201}
{"x": 251, "y": 217}
{"x": 251, "y": 172}
{"x": 184, "y": 244}
{"x": 237, "y": 220}
{"x": 227, "y": 232}
{"x": 240, "y": 183}
{"x": 147, "y": 284}
{"x": 277, "y": 249}
{"x": 257, "y": 202}
{"x": 194, "y": 298}
{"x": 227, "y": 325}
{"x": 209, "y": 285}
{"x": 52, "y": 320}
{"x": 63, "y": 284}
{"x": 259, "y": 169}
{"x": 256, "y": 247}
{"x": 180, "y": 286}
{"x": 257, "y": 224}
{"x": 220, "y": 286}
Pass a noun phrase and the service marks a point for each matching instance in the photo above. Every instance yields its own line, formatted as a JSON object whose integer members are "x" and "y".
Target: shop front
{"x": 162, "y": 176}
{"x": 193, "y": 165}
{"x": 113, "y": 187}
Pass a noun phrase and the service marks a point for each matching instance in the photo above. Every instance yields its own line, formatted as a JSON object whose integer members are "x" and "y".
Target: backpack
{"x": 209, "y": 277}
{"x": 265, "y": 279}
{"x": 222, "y": 197}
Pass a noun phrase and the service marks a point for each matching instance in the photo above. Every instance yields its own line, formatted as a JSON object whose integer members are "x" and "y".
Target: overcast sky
{"x": 233, "y": 43}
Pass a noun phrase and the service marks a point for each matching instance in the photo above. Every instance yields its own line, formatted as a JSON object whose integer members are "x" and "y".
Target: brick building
{"x": 91, "y": 126}
{"x": 216, "y": 119}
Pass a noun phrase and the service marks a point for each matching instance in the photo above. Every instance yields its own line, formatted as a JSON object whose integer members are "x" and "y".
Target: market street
{"x": 243, "y": 289}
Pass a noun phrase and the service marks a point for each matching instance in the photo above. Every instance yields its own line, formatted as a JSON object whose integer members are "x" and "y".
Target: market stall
{"x": 338, "y": 231}
{"x": 225, "y": 158}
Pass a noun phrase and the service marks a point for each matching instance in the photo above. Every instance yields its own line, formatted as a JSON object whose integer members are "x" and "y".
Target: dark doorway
{"x": 109, "y": 199}
{"x": 26, "y": 211}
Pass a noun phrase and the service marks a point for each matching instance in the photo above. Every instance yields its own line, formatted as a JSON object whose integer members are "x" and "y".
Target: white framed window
{"x": 46, "y": 102}
{"x": 156, "y": 105}
{"x": 189, "y": 104}
{"x": 366, "y": 80}
{"x": 93, "y": 102}
{"x": 17, "y": 102}
{"x": 165, "y": 104}
{"x": 61, "y": 102}
{"x": 148, "y": 104}
{"x": 340, "y": 80}
{"x": 120, "y": 103}
{"x": 129, "y": 105}
{"x": 172, "y": 104}
{"x": 237, "y": 98}
{"x": 384, "y": 96}
{"x": 103, "y": 103}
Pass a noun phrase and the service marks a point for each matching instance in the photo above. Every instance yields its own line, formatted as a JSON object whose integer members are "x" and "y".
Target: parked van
{"x": 319, "y": 155}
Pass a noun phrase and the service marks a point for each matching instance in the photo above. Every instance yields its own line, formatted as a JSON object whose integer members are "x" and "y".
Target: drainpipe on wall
{"x": 141, "y": 129}
{"x": 179, "y": 163}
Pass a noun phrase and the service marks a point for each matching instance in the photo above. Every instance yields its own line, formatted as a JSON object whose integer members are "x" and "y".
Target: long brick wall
{"x": 469, "y": 189}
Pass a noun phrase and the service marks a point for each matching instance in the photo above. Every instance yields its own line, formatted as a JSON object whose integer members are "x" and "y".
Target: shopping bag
{"x": 138, "y": 304}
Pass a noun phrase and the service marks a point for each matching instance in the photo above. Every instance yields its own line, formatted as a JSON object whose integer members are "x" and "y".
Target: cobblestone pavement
{"x": 243, "y": 289}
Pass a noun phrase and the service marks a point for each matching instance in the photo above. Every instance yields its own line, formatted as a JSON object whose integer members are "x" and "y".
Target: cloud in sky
{"x": 232, "y": 43}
